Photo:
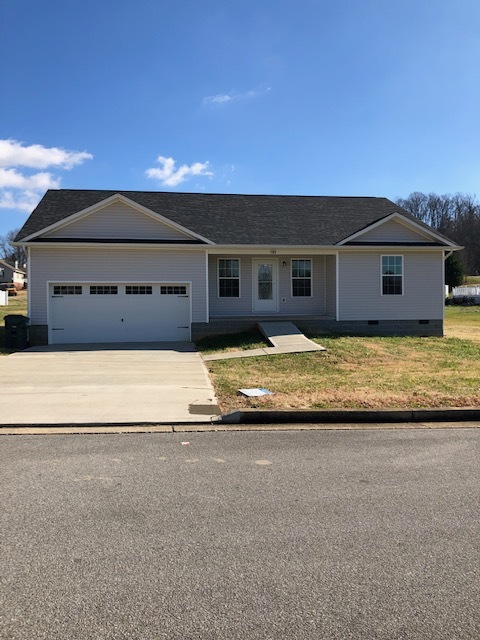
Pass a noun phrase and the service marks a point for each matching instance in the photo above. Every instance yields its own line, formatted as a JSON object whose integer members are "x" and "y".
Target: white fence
{"x": 3, "y": 298}
{"x": 466, "y": 291}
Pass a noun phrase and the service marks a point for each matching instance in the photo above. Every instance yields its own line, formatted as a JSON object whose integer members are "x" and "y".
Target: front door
{"x": 265, "y": 298}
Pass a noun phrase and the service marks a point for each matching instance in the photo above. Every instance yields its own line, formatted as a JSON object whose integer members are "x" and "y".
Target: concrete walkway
{"x": 106, "y": 384}
{"x": 284, "y": 336}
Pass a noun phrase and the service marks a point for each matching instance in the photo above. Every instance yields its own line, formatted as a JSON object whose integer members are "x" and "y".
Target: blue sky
{"x": 353, "y": 97}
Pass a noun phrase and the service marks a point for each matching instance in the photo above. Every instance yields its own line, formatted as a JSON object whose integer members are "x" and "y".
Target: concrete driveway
{"x": 106, "y": 384}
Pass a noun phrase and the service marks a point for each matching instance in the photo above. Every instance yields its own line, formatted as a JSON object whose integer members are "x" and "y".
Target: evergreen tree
{"x": 454, "y": 270}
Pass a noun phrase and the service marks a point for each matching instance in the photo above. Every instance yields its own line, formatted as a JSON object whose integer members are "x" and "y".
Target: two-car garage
{"x": 96, "y": 312}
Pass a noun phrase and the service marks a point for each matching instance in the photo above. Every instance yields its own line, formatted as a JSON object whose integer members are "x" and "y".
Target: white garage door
{"x": 118, "y": 312}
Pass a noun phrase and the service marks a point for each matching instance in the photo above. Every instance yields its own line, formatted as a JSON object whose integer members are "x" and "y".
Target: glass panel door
{"x": 265, "y": 281}
{"x": 265, "y": 285}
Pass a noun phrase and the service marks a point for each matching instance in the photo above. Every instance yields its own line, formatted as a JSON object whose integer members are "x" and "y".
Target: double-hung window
{"x": 302, "y": 278}
{"x": 228, "y": 278}
{"x": 392, "y": 275}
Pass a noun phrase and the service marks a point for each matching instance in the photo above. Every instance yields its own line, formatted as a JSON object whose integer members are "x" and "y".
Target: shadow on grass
{"x": 236, "y": 341}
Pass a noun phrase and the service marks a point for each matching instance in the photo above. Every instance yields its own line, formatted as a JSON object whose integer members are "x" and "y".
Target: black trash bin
{"x": 16, "y": 332}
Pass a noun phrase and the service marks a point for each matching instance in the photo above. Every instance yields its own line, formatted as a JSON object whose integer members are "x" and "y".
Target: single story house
{"x": 135, "y": 266}
{"x": 12, "y": 273}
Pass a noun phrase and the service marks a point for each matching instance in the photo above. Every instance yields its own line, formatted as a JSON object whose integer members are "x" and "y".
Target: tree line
{"x": 456, "y": 216}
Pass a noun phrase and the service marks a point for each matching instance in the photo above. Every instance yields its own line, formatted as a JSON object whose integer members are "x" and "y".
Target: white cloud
{"x": 21, "y": 190}
{"x": 222, "y": 98}
{"x": 36, "y": 156}
{"x": 12, "y": 179}
{"x": 218, "y": 99}
{"x": 23, "y": 200}
{"x": 169, "y": 176}
{"x": 253, "y": 93}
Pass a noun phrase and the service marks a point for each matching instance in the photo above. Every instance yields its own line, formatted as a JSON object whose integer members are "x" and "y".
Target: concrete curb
{"x": 269, "y": 417}
{"x": 158, "y": 425}
{"x": 238, "y": 428}
{"x": 254, "y": 416}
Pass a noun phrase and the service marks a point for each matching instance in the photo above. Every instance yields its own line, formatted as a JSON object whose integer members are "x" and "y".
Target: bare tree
{"x": 10, "y": 253}
{"x": 456, "y": 216}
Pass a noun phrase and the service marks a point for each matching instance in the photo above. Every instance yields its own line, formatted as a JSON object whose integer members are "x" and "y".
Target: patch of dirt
{"x": 464, "y": 333}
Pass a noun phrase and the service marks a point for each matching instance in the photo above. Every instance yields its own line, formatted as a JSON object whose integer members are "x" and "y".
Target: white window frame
{"x": 139, "y": 292}
{"x": 103, "y": 293}
{"x": 291, "y": 278}
{"x": 183, "y": 293}
{"x": 67, "y": 293}
{"x": 392, "y": 255}
{"x": 229, "y": 278}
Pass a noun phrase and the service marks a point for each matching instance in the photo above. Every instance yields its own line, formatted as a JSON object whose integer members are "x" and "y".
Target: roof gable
{"x": 117, "y": 218}
{"x": 395, "y": 229}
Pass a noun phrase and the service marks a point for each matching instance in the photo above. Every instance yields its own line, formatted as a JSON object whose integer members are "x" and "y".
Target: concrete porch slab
{"x": 287, "y": 335}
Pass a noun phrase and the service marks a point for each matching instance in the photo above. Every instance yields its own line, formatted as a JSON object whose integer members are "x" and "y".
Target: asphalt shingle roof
{"x": 234, "y": 219}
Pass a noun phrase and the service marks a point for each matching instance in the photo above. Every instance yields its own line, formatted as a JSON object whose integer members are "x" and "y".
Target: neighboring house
{"x": 107, "y": 266}
{"x": 12, "y": 273}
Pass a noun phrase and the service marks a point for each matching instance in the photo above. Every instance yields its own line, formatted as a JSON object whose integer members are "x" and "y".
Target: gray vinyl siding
{"x": 330, "y": 282}
{"x": 392, "y": 231}
{"x": 118, "y": 220}
{"x": 115, "y": 265}
{"x": 360, "y": 287}
{"x": 243, "y": 306}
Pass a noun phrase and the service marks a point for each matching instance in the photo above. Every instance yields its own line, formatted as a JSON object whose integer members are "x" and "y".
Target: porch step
{"x": 287, "y": 338}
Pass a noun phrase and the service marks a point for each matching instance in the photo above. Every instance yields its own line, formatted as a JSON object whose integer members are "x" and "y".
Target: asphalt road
{"x": 287, "y": 535}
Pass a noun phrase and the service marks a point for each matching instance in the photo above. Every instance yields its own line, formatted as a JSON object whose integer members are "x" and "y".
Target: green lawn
{"x": 472, "y": 280}
{"x": 362, "y": 372}
{"x": 462, "y": 322}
